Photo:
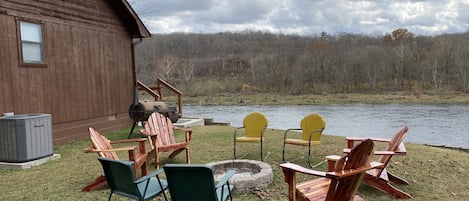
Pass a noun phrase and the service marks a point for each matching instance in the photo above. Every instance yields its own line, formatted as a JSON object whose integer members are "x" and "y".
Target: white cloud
{"x": 304, "y": 16}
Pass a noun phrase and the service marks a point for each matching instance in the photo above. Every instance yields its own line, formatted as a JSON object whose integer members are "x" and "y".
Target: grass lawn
{"x": 433, "y": 173}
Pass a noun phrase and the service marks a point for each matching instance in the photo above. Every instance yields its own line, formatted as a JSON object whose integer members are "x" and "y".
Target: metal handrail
{"x": 158, "y": 95}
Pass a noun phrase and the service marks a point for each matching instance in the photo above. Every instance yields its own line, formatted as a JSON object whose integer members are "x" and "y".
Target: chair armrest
{"x": 346, "y": 173}
{"x": 187, "y": 132}
{"x": 362, "y": 138}
{"x": 225, "y": 178}
{"x": 314, "y": 131}
{"x": 182, "y": 129}
{"x": 379, "y": 153}
{"x": 401, "y": 150}
{"x": 300, "y": 169}
{"x": 148, "y": 176}
{"x": 383, "y": 153}
{"x": 93, "y": 150}
{"x": 90, "y": 150}
{"x": 128, "y": 140}
{"x": 290, "y": 129}
{"x": 120, "y": 149}
{"x": 239, "y": 128}
{"x": 144, "y": 132}
{"x": 351, "y": 140}
{"x": 141, "y": 145}
{"x": 338, "y": 174}
{"x": 235, "y": 130}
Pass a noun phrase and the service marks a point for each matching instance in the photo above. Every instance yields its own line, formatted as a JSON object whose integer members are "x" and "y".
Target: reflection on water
{"x": 428, "y": 124}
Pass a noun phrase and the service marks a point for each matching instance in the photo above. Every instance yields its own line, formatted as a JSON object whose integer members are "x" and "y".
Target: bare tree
{"x": 373, "y": 66}
{"x": 442, "y": 53}
{"x": 165, "y": 66}
{"x": 420, "y": 52}
{"x": 462, "y": 67}
{"x": 399, "y": 40}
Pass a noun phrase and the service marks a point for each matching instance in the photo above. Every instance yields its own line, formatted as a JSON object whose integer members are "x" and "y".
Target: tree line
{"x": 295, "y": 64}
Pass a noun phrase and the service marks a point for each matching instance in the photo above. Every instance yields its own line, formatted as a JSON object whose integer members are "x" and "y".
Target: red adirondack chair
{"x": 160, "y": 131}
{"x": 102, "y": 146}
{"x": 380, "y": 178}
{"x": 340, "y": 184}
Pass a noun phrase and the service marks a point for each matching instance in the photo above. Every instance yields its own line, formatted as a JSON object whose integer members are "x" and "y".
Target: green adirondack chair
{"x": 196, "y": 183}
{"x": 121, "y": 180}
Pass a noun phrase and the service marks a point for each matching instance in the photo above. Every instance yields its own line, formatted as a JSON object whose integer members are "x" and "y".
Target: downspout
{"x": 135, "y": 98}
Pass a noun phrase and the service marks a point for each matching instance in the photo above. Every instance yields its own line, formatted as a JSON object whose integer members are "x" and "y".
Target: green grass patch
{"x": 433, "y": 173}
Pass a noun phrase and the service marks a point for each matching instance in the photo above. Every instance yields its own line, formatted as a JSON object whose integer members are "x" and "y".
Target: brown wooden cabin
{"x": 72, "y": 59}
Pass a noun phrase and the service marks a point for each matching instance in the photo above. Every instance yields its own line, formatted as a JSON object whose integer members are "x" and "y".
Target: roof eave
{"x": 139, "y": 30}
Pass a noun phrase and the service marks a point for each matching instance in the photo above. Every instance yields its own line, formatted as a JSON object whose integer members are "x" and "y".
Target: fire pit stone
{"x": 250, "y": 174}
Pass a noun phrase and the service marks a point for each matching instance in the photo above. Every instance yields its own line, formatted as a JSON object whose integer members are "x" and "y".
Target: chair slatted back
{"x": 101, "y": 143}
{"x": 310, "y": 123}
{"x": 162, "y": 127}
{"x": 255, "y": 123}
{"x": 345, "y": 188}
{"x": 393, "y": 146}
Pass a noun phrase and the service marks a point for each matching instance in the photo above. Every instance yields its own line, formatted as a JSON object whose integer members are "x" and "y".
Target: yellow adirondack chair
{"x": 311, "y": 127}
{"x": 254, "y": 125}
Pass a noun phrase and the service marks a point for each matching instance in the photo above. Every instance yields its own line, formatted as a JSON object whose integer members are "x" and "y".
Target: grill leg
{"x": 132, "y": 130}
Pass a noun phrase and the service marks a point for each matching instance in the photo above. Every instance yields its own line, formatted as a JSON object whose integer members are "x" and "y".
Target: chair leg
{"x": 262, "y": 157}
{"x": 132, "y": 130}
{"x": 283, "y": 152}
{"x": 98, "y": 183}
{"x": 397, "y": 180}
{"x": 157, "y": 160}
{"x": 188, "y": 158}
{"x": 229, "y": 194}
{"x": 234, "y": 148}
{"x": 309, "y": 156}
{"x": 283, "y": 147}
{"x": 109, "y": 198}
{"x": 176, "y": 152}
{"x": 143, "y": 168}
{"x": 386, "y": 187}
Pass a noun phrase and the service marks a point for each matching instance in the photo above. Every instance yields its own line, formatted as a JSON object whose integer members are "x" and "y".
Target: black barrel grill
{"x": 143, "y": 109}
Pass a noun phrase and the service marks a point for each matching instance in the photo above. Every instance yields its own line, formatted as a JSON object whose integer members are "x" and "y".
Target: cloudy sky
{"x": 304, "y": 17}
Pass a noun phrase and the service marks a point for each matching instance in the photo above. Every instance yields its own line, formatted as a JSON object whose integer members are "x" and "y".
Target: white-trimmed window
{"x": 31, "y": 39}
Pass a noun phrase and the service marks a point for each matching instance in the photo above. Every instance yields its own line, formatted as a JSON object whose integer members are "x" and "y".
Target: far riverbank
{"x": 326, "y": 99}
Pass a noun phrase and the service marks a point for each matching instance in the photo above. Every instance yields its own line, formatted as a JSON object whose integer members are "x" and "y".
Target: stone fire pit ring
{"x": 250, "y": 174}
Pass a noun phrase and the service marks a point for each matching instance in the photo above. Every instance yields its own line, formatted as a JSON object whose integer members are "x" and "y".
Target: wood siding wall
{"x": 88, "y": 80}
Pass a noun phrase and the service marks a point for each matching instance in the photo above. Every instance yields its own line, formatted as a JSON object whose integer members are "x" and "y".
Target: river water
{"x": 428, "y": 124}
